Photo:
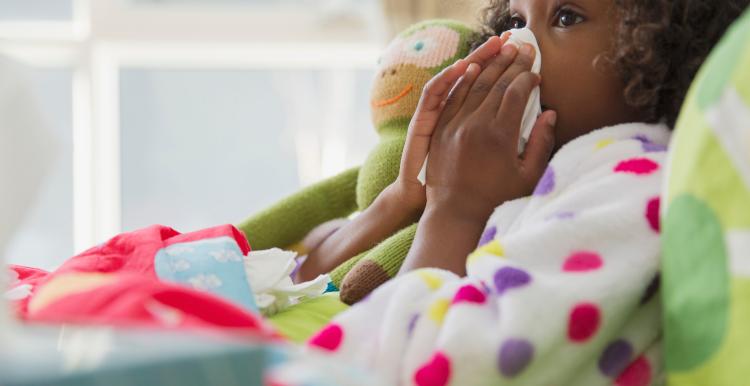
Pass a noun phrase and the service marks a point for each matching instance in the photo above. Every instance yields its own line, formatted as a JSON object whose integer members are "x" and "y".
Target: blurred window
{"x": 189, "y": 113}
{"x": 36, "y": 9}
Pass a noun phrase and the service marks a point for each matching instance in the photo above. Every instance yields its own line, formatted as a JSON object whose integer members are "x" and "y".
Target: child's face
{"x": 586, "y": 93}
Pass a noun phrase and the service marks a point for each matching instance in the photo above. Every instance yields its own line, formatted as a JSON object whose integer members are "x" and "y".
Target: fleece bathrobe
{"x": 560, "y": 291}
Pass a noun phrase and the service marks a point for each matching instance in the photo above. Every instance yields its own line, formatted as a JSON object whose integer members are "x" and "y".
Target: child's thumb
{"x": 541, "y": 143}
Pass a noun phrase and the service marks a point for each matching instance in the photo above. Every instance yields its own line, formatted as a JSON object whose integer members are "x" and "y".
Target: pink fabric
{"x": 135, "y": 297}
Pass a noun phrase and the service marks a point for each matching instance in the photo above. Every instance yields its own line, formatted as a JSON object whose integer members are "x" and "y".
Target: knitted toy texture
{"x": 409, "y": 62}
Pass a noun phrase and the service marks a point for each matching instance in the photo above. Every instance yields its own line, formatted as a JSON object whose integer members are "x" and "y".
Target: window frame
{"x": 99, "y": 41}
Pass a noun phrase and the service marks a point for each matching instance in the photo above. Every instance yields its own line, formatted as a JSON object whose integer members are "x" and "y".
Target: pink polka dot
{"x": 637, "y": 374}
{"x": 584, "y": 322}
{"x": 469, "y": 294}
{"x": 437, "y": 372}
{"x": 583, "y": 262}
{"x": 637, "y": 166}
{"x": 329, "y": 338}
{"x": 652, "y": 214}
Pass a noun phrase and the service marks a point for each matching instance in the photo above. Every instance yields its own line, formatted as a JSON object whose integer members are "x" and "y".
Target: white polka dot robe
{"x": 560, "y": 291}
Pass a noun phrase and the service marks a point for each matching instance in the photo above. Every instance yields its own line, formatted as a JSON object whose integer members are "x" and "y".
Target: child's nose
{"x": 538, "y": 34}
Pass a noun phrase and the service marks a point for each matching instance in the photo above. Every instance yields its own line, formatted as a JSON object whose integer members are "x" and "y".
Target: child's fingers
{"x": 522, "y": 63}
{"x": 514, "y": 104}
{"x": 488, "y": 50}
{"x": 458, "y": 94}
{"x": 426, "y": 118}
{"x": 479, "y": 57}
{"x": 489, "y": 76}
{"x": 541, "y": 145}
{"x": 437, "y": 89}
{"x": 415, "y": 153}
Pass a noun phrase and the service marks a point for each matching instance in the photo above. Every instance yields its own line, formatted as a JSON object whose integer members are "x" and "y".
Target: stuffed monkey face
{"x": 406, "y": 66}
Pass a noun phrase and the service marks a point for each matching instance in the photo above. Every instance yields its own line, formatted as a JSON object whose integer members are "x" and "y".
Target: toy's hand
{"x": 474, "y": 165}
{"x": 435, "y": 97}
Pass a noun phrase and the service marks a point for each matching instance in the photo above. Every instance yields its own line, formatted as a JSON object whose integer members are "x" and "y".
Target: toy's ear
{"x": 410, "y": 61}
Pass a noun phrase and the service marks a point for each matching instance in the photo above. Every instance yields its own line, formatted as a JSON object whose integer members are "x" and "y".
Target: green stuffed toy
{"x": 409, "y": 62}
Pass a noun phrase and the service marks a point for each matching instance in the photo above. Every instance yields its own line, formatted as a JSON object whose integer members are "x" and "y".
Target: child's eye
{"x": 516, "y": 22}
{"x": 568, "y": 18}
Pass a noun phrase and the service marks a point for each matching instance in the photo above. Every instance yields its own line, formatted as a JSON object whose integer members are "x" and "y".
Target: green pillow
{"x": 706, "y": 262}
{"x": 299, "y": 322}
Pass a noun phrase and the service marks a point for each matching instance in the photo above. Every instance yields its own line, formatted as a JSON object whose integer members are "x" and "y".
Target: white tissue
{"x": 269, "y": 273}
{"x": 533, "y": 108}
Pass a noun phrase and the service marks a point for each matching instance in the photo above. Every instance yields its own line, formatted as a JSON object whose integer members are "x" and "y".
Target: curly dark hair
{"x": 659, "y": 45}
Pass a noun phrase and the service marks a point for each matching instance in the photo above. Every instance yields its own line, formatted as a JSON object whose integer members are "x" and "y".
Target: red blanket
{"x": 140, "y": 279}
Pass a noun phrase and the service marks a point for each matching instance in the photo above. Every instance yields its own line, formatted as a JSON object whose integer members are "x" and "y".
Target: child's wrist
{"x": 465, "y": 212}
{"x": 396, "y": 200}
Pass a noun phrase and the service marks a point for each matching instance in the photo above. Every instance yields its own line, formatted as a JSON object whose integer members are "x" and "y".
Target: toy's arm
{"x": 387, "y": 214}
{"x": 367, "y": 272}
{"x": 288, "y": 221}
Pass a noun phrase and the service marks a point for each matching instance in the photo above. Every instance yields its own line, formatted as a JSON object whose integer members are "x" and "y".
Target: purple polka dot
{"x": 515, "y": 356}
{"x": 648, "y": 145}
{"x": 546, "y": 184}
{"x": 654, "y": 147}
{"x": 488, "y": 236}
{"x": 615, "y": 358}
{"x": 508, "y": 278}
{"x": 562, "y": 216}
{"x": 412, "y": 324}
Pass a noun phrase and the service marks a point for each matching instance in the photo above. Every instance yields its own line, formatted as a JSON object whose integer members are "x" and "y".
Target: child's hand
{"x": 474, "y": 165}
{"x": 407, "y": 189}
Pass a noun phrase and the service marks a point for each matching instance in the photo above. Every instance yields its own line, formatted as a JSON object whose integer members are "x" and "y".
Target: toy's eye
{"x": 419, "y": 47}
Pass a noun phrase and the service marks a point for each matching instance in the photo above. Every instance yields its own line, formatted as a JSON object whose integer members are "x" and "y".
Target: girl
{"x": 561, "y": 288}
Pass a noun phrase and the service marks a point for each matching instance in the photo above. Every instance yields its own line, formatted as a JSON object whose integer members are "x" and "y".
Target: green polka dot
{"x": 702, "y": 168}
{"x": 696, "y": 284}
{"x": 720, "y": 67}
{"x": 730, "y": 363}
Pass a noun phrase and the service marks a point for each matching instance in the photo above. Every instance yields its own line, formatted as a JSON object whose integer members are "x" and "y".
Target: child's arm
{"x": 401, "y": 203}
{"x": 474, "y": 165}
{"x": 444, "y": 239}
{"x": 388, "y": 213}
{"x": 291, "y": 219}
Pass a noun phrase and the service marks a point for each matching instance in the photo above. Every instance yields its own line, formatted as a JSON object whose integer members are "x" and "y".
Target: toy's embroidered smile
{"x": 390, "y": 101}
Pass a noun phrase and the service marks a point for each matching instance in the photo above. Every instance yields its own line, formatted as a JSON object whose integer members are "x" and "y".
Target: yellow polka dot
{"x": 473, "y": 257}
{"x": 604, "y": 143}
{"x": 492, "y": 248}
{"x": 431, "y": 279}
{"x": 438, "y": 309}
